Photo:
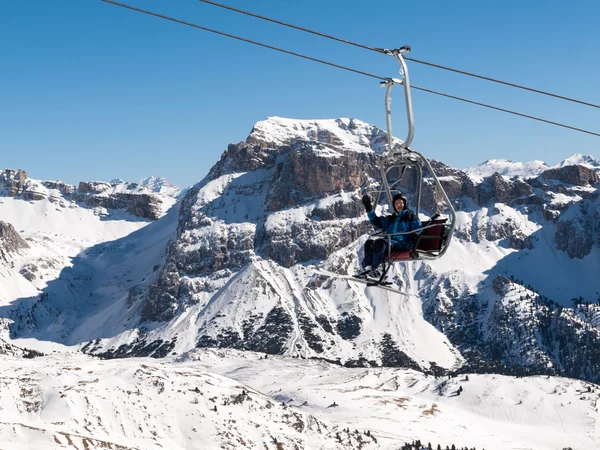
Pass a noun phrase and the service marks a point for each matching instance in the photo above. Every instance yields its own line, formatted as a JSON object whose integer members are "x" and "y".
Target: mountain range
{"x": 102, "y": 271}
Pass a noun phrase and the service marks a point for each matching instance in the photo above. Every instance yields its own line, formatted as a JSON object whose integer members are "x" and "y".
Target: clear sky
{"x": 91, "y": 91}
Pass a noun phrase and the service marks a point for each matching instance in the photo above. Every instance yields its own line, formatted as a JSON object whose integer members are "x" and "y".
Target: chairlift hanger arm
{"x": 389, "y": 84}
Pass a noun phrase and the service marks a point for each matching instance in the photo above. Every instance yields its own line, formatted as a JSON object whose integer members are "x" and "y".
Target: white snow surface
{"x": 213, "y": 399}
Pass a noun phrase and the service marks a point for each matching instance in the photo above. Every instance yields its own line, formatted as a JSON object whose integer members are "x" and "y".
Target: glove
{"x": 366, "y": 200}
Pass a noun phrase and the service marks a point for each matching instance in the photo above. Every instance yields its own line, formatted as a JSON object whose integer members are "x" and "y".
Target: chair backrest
{"x": 430, "y": 242}
{"x": 431, "y": 239}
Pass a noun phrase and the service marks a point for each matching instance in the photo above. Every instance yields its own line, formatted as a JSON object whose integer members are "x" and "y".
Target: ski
{"x": 370, "y": 282}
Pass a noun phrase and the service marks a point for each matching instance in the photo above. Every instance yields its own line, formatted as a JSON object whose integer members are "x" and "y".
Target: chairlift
{"x": 432, "y": 240}
{"x": 400, "y": 162}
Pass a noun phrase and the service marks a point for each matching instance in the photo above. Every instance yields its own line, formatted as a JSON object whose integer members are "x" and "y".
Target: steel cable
{"x": 381, "y": 50}
{"x": 161, "y": 16}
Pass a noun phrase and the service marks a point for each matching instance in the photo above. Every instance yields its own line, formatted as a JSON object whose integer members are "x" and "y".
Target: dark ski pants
{"x": 375, "y": 252}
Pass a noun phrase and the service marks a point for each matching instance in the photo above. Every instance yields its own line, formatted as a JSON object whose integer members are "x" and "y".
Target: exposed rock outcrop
{"x": 574, "y": 236}
{"x": 13, "y": 181}
{"x": 93, "y": 194}
{"x": 309, "y": 170}
{"x": 308, "y": 240}
{"x": 243, "y": 157}
{"x": 10, "y": 241}
{"x": 497, "y": 189}
{"x": 576, "y": 175}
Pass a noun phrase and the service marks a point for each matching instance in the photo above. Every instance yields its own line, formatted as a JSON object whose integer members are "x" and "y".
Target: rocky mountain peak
{"x": 350, "y": 134}
{"x": 506, "y": 168}
{"x": 160, "y": 185}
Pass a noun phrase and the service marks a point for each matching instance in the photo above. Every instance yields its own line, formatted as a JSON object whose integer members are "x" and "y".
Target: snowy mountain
{"x": 581, "y": 160}
{"x": 506, "y": 168}
{"x": 149, "y": 200}
{"x": 162, "y": 186}
{"x": 236, "y": 264}
{"x": 524, "y": 170}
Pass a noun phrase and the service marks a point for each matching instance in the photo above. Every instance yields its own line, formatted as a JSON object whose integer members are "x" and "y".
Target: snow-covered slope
{"x": 56, "y": 233}
{"x": 81, "y": 271}
{"x": 213, "y": 399}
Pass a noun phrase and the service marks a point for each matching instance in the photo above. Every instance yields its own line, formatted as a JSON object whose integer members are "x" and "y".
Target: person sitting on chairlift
{"x": 401, "y": 221}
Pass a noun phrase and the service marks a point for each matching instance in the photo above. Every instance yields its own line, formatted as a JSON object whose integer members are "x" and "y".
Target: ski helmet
{"x": 399, "y": 196}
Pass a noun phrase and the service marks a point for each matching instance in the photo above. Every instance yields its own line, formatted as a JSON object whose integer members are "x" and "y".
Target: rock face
{"x": 575, "y": 236}
{"x": 307, "y": 170}
{"x": 496, "y": 188}
{"x": 10, "y": 241}
{"x": 576, "y": 175}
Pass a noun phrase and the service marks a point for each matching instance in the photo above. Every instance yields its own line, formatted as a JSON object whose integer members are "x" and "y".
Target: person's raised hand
{"x": 366, "y": 200}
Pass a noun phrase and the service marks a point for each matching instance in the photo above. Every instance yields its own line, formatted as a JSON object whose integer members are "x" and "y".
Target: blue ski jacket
{"x": 405, "y": 220}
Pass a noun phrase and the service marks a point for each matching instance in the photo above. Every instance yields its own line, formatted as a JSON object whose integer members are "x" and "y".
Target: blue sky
{"x": 91, "y": 91}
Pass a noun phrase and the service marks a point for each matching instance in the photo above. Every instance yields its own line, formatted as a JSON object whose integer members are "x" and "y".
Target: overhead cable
{"x": 381, "y": 50}
{"x": 503, "y": 110}
{"x": 189, "y": 24}
{"x": 161, "y": 16}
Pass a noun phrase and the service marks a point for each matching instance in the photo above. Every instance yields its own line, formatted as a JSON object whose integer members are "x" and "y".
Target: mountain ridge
{"x": 275, "y": 208}
{"x": 233, "y": 338}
